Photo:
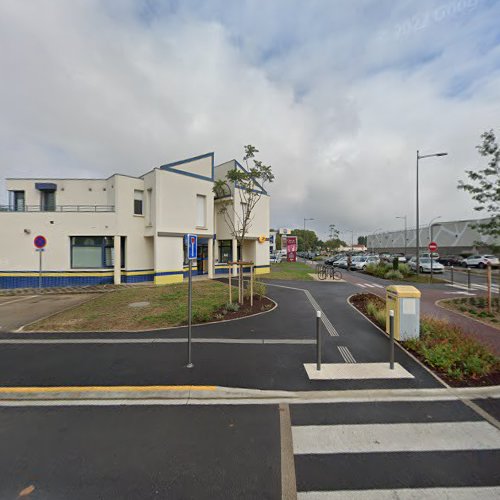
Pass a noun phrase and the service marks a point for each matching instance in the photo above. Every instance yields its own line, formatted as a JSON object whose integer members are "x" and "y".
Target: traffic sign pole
{"x": 432, "y": 248}
{"x": 192, "y": 250}
{"x": 40, "y": 252}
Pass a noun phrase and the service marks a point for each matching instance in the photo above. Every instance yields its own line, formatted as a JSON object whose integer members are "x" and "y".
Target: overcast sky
{"x": 338, "y": 96}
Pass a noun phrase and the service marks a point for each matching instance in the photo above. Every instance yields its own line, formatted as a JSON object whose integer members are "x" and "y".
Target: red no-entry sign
{"x": 432, "y": 246}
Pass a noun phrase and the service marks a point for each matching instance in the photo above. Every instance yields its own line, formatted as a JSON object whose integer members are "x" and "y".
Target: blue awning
{"x": 46, "y": 186}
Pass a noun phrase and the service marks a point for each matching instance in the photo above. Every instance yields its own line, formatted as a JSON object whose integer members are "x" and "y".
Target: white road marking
{"x": 346, "y": 354}
{"x": 377, "y": 285}
{"x": 359, "y": 284}
{"x": 465, "y": 493}
{"x": 17, "y": 300}
{"x": 369, "y": 438}
{"x": 357, "y": 371}
{"x": 369, "y": 285}
{"x": 156, "y": 341}
{"x": 460, "y": 293}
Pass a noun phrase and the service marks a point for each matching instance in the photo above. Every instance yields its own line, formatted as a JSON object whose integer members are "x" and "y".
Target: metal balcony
{"x": 59, "y": 208}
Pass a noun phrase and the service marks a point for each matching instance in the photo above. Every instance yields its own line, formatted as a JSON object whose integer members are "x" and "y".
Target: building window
{"x": 17, "y": 201}
{"x": 92, "y": 252}
{"x": 226, "y": 251}
{"x": 138, "y": 201}
{"x": 47, "y": 201}
{"x": 201, "y": 210}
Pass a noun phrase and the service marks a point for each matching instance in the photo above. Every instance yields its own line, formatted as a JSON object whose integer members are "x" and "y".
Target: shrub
{"x": 447, "y": 349}
{"x": 378, "y": 314}
{"x": 259, "y": 289}
{"x": 232, "y": 306}
{"x": 378, "y": 270}
{"x": 393, "y": 275}
{"x": 405, "y": 270}
{"x": 395, "y": 264}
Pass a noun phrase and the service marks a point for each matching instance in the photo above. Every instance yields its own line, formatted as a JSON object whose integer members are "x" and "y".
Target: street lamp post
{"x": 421, "y": 157}
{"x": 406, "y": 232}
{"x": 305, "y": 220}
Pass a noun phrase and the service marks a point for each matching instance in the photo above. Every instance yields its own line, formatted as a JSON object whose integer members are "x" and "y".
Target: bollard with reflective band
{"x": 391, "y": 343}
{"x": 468, "y": 278}
{"x": 318, "y": 340}
{"x": 451, "y": 274}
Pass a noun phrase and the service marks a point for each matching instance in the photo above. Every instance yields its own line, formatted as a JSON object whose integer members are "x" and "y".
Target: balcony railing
{"x": 59, "y": 208}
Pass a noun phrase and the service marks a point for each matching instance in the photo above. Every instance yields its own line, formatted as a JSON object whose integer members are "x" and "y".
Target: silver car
{"x": 425, "y": 265}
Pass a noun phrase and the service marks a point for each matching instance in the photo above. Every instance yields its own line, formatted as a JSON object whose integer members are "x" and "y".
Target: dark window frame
{"x": 106, "y": 245}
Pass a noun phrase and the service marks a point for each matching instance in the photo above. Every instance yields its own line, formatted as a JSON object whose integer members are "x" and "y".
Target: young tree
{"x": 484, "y": 185}
{"x": 362, "y": 240}
{"x": 239, "y": 193}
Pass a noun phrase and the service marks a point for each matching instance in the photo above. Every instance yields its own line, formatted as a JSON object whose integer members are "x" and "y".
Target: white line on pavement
{"x": 17, "y": 300}
{"x": 368, "y": 438}
{"x": 157, "y": 341}
{"x": 465, "y": 493}
{"x": 346, "y": 354}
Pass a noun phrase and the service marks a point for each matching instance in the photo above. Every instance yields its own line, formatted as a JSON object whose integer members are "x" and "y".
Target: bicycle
{"x": 329, "y": 272}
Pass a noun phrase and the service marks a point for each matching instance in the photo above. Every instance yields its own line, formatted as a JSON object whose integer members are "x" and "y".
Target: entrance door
{"x": 202, "y": 261}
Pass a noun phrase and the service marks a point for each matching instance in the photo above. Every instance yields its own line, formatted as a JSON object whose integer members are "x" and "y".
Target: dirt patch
{"x": 260, "y": 304}
{"x": 420, "y": 348}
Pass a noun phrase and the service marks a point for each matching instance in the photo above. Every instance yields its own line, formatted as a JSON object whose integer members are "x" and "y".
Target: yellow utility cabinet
{"x": 404, "y": 300}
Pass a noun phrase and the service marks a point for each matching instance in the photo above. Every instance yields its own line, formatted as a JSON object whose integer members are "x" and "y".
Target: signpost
{"x": 432, "y": 248}
{"x": 192, "y": 251}
{"x": 291, "y": 248}
{"x": 40, "y": 242}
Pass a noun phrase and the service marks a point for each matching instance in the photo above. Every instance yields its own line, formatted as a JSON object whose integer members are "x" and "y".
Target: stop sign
{"x": 432, "y": 246}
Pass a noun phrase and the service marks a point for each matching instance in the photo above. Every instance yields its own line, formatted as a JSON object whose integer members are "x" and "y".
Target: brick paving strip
{"x": 70, "y": 289}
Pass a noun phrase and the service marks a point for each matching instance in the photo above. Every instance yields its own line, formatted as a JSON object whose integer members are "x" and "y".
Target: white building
{"x": 123, "y": 228}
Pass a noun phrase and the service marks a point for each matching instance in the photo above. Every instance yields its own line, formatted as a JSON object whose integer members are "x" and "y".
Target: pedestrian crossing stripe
{"x": 464, "y": 493}
{"x": 405, "y": 437}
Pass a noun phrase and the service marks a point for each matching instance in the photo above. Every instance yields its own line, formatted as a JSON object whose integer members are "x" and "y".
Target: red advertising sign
{"x": 433, "y": 246}
{"x": 291, "y": 248}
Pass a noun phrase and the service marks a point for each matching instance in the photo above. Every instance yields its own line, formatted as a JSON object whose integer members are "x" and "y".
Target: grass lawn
{"x": 290, "y": 271}
{"x": 167, "y": 307}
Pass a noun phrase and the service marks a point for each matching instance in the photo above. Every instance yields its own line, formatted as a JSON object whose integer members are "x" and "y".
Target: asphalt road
{"x": 345, "y": 450}
{"x": 140, "y": 452}
{"x": 264, "y": 352}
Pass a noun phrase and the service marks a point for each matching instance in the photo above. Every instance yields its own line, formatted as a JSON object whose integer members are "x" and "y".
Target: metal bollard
{"x": 451, "y": 275}
{"x": 391, "y": 343}
{"x": 318, "y": 340}
{"x": 468, "y": 278}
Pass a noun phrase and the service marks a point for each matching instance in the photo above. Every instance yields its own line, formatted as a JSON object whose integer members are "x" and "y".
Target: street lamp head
{"x": 441, "y": 154}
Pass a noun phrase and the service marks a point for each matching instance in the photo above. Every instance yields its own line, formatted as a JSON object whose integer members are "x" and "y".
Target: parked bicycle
{"x": 329, "y": 272}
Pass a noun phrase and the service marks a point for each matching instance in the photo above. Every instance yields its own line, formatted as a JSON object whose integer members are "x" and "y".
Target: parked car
{"x": 400, "y": 256}
{"x": 481, "y": 261}
{"x": 361, "y": 262}
{"x": 275, "y": 258}
{"x": 451, "y": 260}
{"x": 341, "y": 263}
{"x": 425, "y": 265}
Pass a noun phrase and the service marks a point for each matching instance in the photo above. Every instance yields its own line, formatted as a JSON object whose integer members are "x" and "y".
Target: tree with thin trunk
{"x": 239, "y": 193}
{"x": 484, "y": 185}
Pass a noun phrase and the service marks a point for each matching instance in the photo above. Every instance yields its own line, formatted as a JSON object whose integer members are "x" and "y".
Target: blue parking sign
{"x": 192, "y": 243}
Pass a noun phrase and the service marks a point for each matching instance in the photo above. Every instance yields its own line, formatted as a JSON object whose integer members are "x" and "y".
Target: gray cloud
{"x": 338, "y": 96}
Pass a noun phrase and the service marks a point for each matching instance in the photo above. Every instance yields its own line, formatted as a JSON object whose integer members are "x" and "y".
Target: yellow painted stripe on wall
{"x": 136, "y": 273}
{"x": 110, "y": 388}
{"x": 262, "y": 270}
{"x": 169, "y": 278}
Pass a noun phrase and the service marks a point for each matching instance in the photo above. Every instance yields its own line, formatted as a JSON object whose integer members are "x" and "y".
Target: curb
{"x": 216, "y": 394}
{"x": 437, "y": 303}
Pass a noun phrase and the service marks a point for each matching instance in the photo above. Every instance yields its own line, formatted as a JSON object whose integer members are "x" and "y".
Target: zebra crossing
{"x": 369, "y": 285}
{"x": 397, "y": 449}
{"x": 476, "y": 286}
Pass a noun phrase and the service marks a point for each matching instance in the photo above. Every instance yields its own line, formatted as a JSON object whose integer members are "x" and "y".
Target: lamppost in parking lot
{"x": 305, "y": 220}
{"x": 406, "y": 231}
{"x": 421, "y": 157}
